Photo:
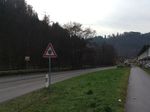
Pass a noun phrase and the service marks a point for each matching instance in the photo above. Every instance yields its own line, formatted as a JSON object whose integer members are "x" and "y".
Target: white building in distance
{"x": 144, "y": 55}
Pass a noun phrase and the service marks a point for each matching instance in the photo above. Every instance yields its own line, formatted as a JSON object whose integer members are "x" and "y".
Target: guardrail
{"x": 19, "y": 78}
{"x": 16, "y": 72}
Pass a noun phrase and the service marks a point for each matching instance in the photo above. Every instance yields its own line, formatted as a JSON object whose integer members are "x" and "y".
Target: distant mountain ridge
{"x": 127, "y": 44}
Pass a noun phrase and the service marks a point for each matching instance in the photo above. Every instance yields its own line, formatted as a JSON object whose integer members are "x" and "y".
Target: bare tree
{"x": 76, "y": 29}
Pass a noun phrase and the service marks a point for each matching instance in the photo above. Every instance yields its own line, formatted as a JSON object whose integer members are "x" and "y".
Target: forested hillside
{"x": 127, "y": 44}
{"x": 23, "y": 34}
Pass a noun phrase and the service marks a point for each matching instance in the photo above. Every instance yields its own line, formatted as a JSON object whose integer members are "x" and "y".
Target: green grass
{"x": 93, "y": 92}
{"x": 146, "y": 70}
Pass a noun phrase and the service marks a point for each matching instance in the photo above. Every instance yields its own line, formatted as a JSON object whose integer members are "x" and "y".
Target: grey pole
{"x": 49, "y": 70}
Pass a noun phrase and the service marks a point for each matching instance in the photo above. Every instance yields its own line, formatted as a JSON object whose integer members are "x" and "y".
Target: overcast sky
{"x": 104, "y": 16}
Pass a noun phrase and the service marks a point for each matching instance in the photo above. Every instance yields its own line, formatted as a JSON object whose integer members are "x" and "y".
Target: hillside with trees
{"x": 23, "y": 34}
{"x": 127, "y": 45}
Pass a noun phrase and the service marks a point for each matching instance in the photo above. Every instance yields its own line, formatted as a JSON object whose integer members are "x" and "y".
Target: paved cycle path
{"x": 138, "y": 97}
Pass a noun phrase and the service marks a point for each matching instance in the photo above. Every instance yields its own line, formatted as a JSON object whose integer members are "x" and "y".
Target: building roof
{"x": 144, "y": 48}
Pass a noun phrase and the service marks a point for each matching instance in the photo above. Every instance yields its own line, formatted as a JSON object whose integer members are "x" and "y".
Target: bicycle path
{"x": 138, "y": 96}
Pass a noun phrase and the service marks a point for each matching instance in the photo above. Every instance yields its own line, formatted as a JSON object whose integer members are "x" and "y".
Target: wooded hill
{"x": 127, "y": 45}
{"x": 23, "y": 34}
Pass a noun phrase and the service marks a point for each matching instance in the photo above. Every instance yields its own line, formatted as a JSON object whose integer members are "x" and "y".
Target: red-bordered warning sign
{"x": 50, "y": 52}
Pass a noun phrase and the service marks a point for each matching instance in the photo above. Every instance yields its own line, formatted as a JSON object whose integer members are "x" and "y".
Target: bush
{"x": 89, "y": 92}
{"x": 120, "y": 65}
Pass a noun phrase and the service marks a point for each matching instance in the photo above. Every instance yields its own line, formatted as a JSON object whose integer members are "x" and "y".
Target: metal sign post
{"x": 49, "y": 75}
{"x": 49, "y": 53}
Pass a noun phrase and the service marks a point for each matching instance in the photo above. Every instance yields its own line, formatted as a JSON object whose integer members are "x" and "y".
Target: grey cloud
{"x": 130, "y": 15}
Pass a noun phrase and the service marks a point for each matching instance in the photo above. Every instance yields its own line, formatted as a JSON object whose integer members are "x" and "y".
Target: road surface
{"x": 14, "y": 86}
{"x": 138, "y": 98}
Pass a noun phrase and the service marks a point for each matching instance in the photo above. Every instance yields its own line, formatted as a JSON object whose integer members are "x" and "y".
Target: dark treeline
{"x": 127, "y": 45}
{"x": 23, "y": 34}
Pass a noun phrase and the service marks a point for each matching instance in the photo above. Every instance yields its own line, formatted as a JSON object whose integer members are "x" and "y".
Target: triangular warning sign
{"x": 50, "y": 52}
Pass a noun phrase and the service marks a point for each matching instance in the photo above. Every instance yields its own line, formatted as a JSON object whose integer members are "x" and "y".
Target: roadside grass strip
{"x": 147, "y": 70}
{"x": 102, "y": 91}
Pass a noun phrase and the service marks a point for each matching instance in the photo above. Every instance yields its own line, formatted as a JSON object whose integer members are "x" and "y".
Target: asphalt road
{"x": 138, "y": 98}
{"x": 14, "y": 86}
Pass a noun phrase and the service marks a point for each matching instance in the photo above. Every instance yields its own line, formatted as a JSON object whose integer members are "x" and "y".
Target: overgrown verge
{"x": 146, "y": 70}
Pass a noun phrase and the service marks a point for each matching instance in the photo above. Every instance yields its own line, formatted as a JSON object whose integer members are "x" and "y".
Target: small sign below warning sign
{"x": 50, "y": 52}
